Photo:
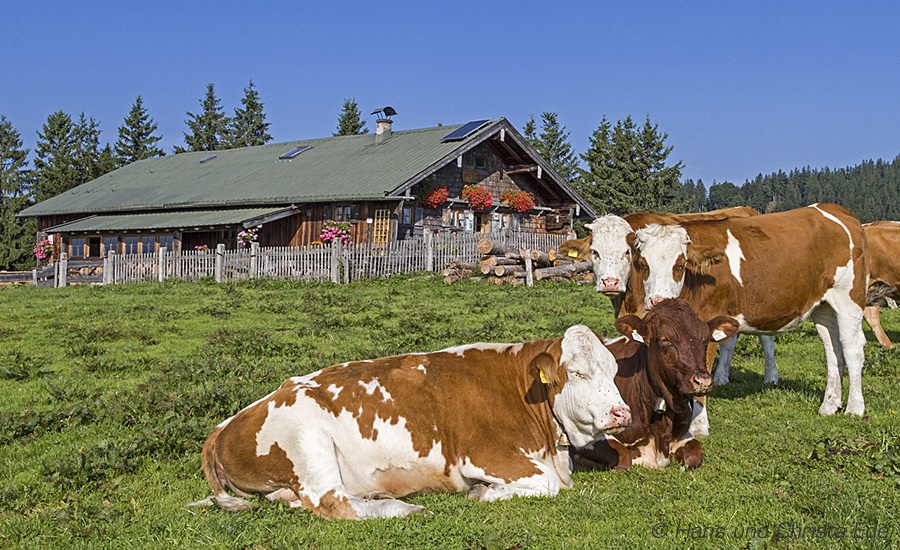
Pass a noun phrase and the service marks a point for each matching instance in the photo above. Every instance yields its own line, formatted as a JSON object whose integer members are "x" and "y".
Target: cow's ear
{"x": 722, "y": 327}
{"x": 546, "y": 365}
{"x": 700, "y": 257}
{"x": 631, "y": 238}
{"x": 589, "y": 226}
{"x": 633, "y": 327}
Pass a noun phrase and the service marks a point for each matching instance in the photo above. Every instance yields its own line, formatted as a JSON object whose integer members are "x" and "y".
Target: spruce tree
{"x": 56, "y": 163}
{"x": 209, "y": 128}
{"x": 553, "y": 145}
{"x": 16, "y": 234}
{"x": 248, "y": 127}
{"x": 87, "y": 149}
{"x": 350, "y": 121}
{"x": 626, "y": 170}
{"x": 136, "y": 140}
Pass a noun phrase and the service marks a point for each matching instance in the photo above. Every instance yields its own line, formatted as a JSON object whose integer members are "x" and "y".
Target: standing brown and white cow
{"x": 611, "y": 238}
{"x": 662, "y": 368}
{"x": 884, "y": 273}
{"x": 491, "y": 419}
{"x": 771, "y": 272}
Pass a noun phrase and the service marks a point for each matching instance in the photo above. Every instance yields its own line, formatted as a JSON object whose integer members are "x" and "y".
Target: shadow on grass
{"x": 744, "y": 384}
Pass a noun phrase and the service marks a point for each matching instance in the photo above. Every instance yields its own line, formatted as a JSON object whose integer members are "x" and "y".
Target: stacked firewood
{"x": 501, "y": 264}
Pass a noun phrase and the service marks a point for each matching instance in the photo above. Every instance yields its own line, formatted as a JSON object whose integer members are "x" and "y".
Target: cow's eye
{"x": 679, "y": 268}
{"x": 628, "y": 256}
{"x": 576, "y": 374}
{"x": 595, "y": 255}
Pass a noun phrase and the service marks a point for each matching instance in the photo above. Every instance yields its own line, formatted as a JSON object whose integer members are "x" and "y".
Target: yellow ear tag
{"x": 573, "y": 253}
{"x": 544, "y": 378}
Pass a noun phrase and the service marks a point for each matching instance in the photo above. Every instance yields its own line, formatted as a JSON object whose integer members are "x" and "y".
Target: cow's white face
{"x": 589, "y": 403}
{"x": 663, "y": 260}
{"x": 610, "y": 253}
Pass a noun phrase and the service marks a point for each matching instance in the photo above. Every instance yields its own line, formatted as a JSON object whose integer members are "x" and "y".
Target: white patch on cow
{"x": 835, "y": 220}
{"x": 735, "y": 255}
{"x": 608, "y": 341}
{"x": 335, "y": 391}
{"x": 482, "y": 346}
{"x": 373, "y": 385}
{"x": 585, "y": 403}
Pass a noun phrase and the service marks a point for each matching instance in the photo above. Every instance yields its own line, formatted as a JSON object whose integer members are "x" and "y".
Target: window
{"x": 148, "y": 244}
{"x": 110, "y": 244}
{"x": 166, "y": 242}
{"x": 408, "y": 217}
{"x": 342, "y": 213}
{"x": 77, "y": 247}
{"x": 131, "y": 244}
{"x": 94, "y": 247}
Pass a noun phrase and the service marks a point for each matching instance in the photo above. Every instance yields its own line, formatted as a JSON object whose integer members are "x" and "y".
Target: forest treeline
{"x": 625, "y": 169}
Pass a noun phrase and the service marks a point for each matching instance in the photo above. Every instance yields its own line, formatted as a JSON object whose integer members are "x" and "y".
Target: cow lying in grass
{"x": 662, "y": 367}
{"x": 494, "y": 420}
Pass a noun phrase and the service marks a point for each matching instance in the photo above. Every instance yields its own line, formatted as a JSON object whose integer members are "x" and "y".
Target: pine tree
{"x": 136, "y": 140}
{"x": 529, "y": 131}
{"x": 87, "y": 149}
{"x": 248, "y": 127}
{"x": 56, "y": 164}
{"x": 350, "y": 121}
{"x": 553, "y": 145}
{"x": 661, "y": 182}
{"x": 16, "y": 235}
{"x": 209, "y": 128}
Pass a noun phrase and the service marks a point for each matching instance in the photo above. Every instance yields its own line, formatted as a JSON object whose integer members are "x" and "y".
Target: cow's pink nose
{"x": 610, "y": 283}
{"x": 621, "y": 416}
{"x": 655, "y": 301}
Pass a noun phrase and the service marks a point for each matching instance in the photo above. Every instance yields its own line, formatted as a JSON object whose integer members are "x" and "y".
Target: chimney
{"x": 383, "y": 124}
{"x": 383, "y": 129}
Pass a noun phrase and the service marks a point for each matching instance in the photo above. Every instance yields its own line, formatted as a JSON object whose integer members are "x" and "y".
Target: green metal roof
{"x": 335, "y": 168}
{"x": 163, "y": 220}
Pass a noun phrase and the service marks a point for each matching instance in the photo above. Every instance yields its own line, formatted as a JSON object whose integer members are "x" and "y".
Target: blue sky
{"x": 741, "y": 88}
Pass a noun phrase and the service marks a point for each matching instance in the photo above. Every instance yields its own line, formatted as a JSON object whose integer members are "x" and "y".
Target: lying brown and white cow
{"x": 883, "y": 238}
{"x": 770, "y": 272}
{"x": 662, "y": 368}
{"x": 491, "y": 419}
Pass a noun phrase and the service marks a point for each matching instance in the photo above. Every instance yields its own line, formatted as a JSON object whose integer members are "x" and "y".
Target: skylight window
{"x": 294, "y": 152}
{"x": 207, "y": 159}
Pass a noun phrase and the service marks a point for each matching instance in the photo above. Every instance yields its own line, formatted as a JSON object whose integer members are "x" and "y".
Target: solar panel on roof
{"x": 294, "y": 152}
{"x": 465, "y": 130}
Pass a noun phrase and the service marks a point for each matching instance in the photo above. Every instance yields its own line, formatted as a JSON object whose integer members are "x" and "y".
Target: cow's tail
{"x": 215, "y": 476}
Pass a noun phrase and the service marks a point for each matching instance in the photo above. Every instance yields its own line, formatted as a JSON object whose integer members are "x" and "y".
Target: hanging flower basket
{"x": 248, "y": 236}
{"x": 43, "y": 249}
{"x": 332, "y": 231}
{"x": 477, "y": 196}
{"x": 518, "y": 201}
{"x": 434, "y": 197}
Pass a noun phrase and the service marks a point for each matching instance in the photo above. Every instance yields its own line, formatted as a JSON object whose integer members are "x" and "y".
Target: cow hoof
{"x": 773, "y": 382}
{"x": 828, "y": 409}
{"x": 378, "y": 495}
{"x": 720, "y": 381}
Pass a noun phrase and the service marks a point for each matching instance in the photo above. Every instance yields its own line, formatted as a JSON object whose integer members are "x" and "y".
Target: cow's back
{"x": 777, "y": 266}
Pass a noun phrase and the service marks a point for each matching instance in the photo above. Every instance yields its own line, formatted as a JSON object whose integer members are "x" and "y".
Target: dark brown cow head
{"x": 676, "y": 341}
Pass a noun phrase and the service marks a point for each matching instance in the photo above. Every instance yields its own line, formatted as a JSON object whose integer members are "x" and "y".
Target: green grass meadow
{"x": 107, "y": 394}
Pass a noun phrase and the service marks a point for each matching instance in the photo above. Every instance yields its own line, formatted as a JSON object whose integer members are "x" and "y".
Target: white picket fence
{"x": 335, "y": 263}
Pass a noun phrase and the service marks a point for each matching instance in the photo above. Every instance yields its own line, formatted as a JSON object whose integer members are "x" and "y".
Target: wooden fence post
{"x": 62, "y": 270}
{"x": 429, "y": 250}
{"x": 109, "y": 268}
{"x": 34, "y": 276}
{"x": 220, "y": 262}
{"x": 336, "y": 261}
{"x": 161, "y": 265}
{"x": 529, "y": 269}
{"x": 254, "y": 260}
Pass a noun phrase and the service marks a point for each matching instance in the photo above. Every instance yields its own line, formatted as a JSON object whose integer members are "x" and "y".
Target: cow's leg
{"x": 699, "y": 420}
{"x": 767, "y": 341}
{"x": 723, "y": 367}
{"x": 690, "y": 454}
{"x": 853, "y": 342}
{"x": 545, "y": 483}
{"x": 826, "y": 324}
{"x": 872, "y": 316}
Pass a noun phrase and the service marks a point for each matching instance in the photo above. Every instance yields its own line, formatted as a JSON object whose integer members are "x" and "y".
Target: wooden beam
{"x": 522, "y": 168}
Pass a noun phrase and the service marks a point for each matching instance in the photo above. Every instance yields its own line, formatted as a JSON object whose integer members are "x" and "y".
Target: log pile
{"x": 500, "y": 264}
